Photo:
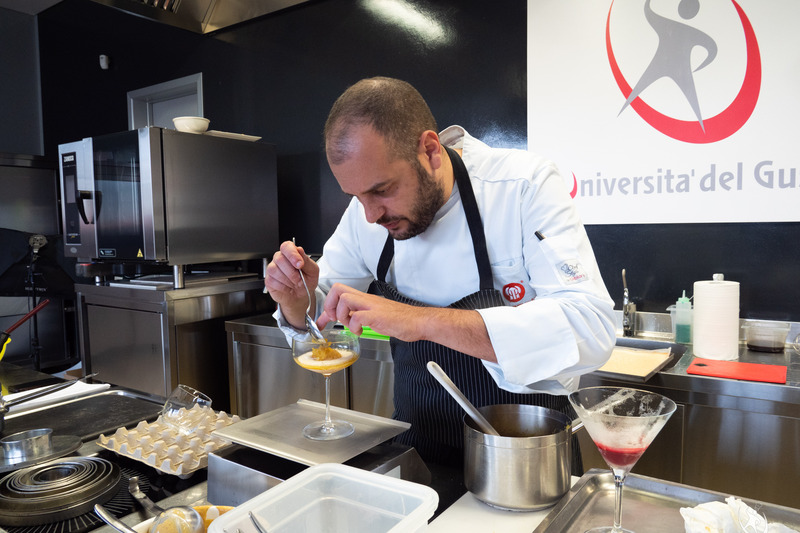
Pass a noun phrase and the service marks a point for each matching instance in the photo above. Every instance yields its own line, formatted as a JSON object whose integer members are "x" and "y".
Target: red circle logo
{"x": 514, "y": 292}
{"x": 713, "y": 129}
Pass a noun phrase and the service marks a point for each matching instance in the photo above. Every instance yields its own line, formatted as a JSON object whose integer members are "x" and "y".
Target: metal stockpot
{"x": 528, "y": 467}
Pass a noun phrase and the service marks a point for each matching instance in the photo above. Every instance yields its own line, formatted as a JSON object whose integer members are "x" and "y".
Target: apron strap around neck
{"x": 473, "y": 220}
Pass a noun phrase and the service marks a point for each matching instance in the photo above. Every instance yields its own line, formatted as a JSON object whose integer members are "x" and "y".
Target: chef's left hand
{"x": 356, "y": 309}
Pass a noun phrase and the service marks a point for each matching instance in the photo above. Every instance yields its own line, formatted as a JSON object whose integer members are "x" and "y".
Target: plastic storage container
{"x": 330, "y": 498}
{"x": 765, "y": 336}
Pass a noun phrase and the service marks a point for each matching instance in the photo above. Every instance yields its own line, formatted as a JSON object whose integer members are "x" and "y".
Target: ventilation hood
{"x": 201, "y": 16}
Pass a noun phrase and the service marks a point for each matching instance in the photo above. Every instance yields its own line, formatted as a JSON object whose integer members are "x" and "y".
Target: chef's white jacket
{"x": 558, "y": 320}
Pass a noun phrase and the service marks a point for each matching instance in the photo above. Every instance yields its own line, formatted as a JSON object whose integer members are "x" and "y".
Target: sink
{"x": 662, "y": 336}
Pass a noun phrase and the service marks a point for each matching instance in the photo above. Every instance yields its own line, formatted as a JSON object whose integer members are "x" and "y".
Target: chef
{"x": 470, "y": 256}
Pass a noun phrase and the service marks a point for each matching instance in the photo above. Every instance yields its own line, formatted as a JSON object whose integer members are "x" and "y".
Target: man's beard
{"x": 430, "y": 197}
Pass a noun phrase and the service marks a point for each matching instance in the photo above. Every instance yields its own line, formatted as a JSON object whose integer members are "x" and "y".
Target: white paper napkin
{"x": 733, "y": 516}
{"x": 77, "y": 389}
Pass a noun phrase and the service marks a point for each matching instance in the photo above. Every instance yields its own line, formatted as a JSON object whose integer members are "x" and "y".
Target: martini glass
{"x": 622, "y": 423}
{"x": 340, "y": 350}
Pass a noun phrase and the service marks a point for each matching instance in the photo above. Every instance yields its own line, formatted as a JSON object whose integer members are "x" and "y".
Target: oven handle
{"x": 85, "y": 206}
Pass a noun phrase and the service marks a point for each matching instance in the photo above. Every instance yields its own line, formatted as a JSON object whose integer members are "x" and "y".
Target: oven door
{"x": 77, "y": 193}
{"x": 129, "y": 196}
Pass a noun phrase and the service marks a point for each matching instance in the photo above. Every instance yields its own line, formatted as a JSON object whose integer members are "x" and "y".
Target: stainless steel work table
{"x": 736, "y": 437}
{"x": 733, "y": 436}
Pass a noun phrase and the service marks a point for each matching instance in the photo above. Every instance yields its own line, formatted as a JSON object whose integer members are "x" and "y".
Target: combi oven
{"x": 159, "y": 195}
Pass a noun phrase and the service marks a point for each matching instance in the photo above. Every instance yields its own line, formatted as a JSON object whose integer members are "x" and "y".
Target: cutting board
{"x": 635, "y": 363}
{"x": 737, "y": 370}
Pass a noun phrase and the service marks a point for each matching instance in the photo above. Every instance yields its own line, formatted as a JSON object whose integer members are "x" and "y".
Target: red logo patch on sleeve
{"x": 514, "y": 292}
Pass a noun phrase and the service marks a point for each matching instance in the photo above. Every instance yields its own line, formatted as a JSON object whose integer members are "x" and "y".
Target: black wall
{"x": 661, "y": 260}
{"x": 277, "y": 76}
{"x": 20, "y": 112}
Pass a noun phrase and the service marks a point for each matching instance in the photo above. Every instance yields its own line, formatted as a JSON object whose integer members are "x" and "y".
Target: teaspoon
{"x": 310, "y": 324}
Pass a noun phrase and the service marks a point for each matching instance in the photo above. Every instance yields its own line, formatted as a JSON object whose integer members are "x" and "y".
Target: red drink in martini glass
{"x": 622, "y": 423}
{"x": 620, "y": 458}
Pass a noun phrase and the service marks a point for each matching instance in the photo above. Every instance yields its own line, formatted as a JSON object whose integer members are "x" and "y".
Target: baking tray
{"x": 87, "y": 416}
{"x": 633, "y": 364}
{"x": 280, "y": 432}
{"x": 649, "y": 505}
{"x": 228, "y": 135}
{"x": 676, "y": 351}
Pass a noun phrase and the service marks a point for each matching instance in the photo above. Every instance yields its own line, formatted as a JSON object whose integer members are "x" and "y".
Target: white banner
{"x": 667, "y": 111}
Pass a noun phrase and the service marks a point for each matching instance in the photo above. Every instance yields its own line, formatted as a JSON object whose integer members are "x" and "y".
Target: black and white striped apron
{"x": 435, "y": 417}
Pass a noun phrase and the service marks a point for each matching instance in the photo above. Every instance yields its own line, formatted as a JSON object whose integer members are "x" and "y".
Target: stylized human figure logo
{"x": 672, "y": 59}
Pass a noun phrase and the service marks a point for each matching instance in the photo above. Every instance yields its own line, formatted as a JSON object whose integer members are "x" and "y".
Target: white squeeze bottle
{"x": 683, "y": 320}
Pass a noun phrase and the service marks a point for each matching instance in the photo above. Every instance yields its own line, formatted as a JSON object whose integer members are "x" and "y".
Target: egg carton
{"x": 167, "y": 448}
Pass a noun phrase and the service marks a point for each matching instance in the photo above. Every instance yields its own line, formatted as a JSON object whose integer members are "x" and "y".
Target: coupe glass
{"x": 340, "y": 351}
{"x": 622, "y": 423}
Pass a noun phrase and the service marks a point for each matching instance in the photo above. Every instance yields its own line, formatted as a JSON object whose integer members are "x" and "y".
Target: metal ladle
{"x": 181, "y": 513}
{"x": 310, "y": 324}
{"x": 440, "y": 375}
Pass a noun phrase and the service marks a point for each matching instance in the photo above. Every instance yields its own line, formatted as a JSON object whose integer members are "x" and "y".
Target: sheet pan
{"x": 280, "y": 432}
{"x": 649, "y": 505}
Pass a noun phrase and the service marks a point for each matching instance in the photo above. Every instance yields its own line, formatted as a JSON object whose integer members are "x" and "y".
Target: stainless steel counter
{"x": 152, "y": 337}
{"x": 732, "y": 436}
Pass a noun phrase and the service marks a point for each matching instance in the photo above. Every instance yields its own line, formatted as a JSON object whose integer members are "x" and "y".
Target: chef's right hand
{"x": 285, "y": 286}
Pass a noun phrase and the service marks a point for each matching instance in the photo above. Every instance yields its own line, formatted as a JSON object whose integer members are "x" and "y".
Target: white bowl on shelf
{"x": 191, "y": 124}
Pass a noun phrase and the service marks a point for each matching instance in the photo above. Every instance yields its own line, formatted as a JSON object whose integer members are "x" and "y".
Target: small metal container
{"x": 27, "y": 445}
{"x": 525, "y": 469}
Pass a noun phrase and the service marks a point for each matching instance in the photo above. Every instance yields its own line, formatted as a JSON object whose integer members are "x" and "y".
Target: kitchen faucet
{"x": 628, "y": 310}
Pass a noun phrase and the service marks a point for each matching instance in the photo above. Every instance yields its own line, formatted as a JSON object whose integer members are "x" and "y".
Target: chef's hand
{"x": 356, "y": 309}
{"x": 285, "y": 286}
{"x": 460, "y": 329}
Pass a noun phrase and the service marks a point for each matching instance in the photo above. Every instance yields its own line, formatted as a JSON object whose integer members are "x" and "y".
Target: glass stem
{"x": 328, "y": 400}
{"x": 619, "y": 481}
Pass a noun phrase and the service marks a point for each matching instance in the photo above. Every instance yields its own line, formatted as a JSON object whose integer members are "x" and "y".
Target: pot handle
{"x": 576, "y": 425}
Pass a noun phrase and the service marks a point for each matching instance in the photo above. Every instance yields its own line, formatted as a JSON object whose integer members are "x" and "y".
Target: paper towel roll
{"x": 715, "y": 321}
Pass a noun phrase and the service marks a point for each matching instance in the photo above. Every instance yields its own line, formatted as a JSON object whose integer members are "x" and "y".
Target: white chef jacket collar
{"x": 453, "y": 136}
